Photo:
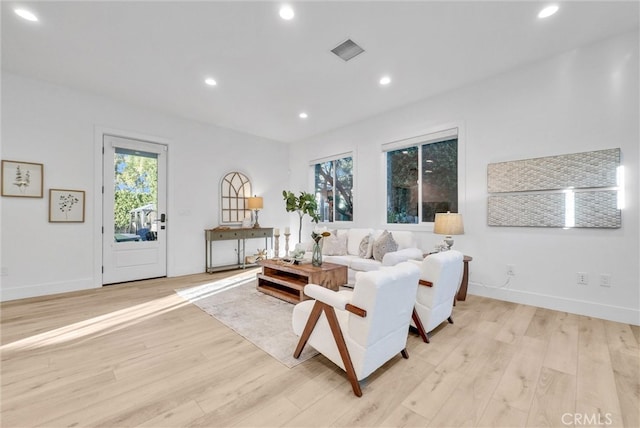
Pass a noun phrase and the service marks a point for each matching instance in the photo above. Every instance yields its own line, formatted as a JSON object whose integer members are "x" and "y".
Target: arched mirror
{"x": 234, "y": 193}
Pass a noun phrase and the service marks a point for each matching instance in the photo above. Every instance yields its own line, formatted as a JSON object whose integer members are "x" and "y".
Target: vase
{"x": 316, "y": 257}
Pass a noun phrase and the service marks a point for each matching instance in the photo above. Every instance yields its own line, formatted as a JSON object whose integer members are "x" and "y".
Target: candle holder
{"x": 286, "y": 244}
{"x": 276, "y": 246}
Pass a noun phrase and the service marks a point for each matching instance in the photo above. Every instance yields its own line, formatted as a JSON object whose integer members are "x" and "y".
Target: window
{"x": 422, "y": 177}
{"x": 334, "y": 189}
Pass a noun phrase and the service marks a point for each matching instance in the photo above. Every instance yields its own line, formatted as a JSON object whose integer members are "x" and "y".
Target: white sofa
{"x": 352, "y": 238}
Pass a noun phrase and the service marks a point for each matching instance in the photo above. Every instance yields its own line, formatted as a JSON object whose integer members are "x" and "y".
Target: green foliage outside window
{"x": 402, "y": 186}
{"x": 136, "y": 185}
{"x": 439, "y": 178}
{"x": 334, "y": 189}
{"x": 422, "y": 180}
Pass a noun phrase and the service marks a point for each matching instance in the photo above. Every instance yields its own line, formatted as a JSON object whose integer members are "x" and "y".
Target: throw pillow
{"x": 365, "y": 250}
{"x": 334, "y": 244}
{"x": 383, "y": 245}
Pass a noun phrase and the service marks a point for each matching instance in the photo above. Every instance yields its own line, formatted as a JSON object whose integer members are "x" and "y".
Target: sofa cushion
{"x": 364, "y": 265}
{"x": 334, "y": 244}
{"x": 404, "y": 239}
{"x": 366, "y": 247}
{"x": 340, "y": 260}
{"x": 395, "y": 257}
{"x": 383, "y": 245}
{"x": 354, "y": 239}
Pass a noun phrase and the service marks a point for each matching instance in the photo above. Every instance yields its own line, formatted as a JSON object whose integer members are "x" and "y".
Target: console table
{"x": 234, "y": 234}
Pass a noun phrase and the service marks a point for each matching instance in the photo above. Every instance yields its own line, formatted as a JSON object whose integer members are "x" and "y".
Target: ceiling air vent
{"x": 347, "y": 50}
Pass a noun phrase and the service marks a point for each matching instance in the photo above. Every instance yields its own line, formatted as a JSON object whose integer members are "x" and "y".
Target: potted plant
{"x": 303, "y": 204}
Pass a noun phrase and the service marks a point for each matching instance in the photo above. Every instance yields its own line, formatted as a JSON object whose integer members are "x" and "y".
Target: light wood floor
{"x": 137, "y": 355}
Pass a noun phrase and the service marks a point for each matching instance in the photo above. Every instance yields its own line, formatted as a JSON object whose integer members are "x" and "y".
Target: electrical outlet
{"x": 511, "y": 270}
{"x": 582, "y": 278}
{"x": 605, "y": 280}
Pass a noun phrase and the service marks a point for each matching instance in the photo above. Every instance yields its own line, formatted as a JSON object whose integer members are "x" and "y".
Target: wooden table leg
{"x": 462, "y": 292}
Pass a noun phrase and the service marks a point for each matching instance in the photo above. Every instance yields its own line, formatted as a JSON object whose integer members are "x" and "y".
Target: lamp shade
{"x": 255, "y": 203}
{"x": 448, "y": 224}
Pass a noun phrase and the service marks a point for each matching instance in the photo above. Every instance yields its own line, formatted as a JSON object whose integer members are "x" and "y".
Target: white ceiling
{"x": 157, "y": 54}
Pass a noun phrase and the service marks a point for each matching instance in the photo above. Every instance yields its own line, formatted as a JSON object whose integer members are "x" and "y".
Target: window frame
{"x": 333, "y": 158}
{"x": 434, "y": 135}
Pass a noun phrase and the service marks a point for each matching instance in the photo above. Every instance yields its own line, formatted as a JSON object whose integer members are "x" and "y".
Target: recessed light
{"x": 210, "y": 81}
{"x": 286, "y": 13}
{"x": 385, "y": 80}
{"x": 548, "y": 11}
{"x": 303, "y": 115}
{"x": 25, "y": 14}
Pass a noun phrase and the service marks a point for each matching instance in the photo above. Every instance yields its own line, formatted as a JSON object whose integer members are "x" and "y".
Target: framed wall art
{"x": 22, "y": 179}
{"x": 235, "y": 191}
{"x": 572, "y": 190}
{"x": 66, "y": 206}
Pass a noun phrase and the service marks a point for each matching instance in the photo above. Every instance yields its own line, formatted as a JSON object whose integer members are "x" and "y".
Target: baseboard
{"x": 573, "y": 306}
{"x": 37, "y": 290}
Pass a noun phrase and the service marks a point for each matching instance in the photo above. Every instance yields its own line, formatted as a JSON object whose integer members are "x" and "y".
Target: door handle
{"x": 163, "y": 218}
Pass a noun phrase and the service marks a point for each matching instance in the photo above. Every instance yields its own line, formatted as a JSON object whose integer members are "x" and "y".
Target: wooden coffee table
{"x": 286, "y": 281}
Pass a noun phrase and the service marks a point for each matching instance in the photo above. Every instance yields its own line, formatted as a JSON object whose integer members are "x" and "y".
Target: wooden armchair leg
{"x": 308, "y": 328}
{"x": 342, "y": 348}
{"x": 404, "y": 353}
{"x": 419, "y": 326}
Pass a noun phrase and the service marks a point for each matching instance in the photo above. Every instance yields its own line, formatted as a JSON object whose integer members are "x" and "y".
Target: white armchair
{"x": 440, "y": 276}
{"x": 359, "y": 330}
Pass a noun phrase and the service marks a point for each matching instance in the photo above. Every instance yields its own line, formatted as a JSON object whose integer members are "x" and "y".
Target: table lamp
{"x": 448, "y": 224}
{"x": 255, "y": 203}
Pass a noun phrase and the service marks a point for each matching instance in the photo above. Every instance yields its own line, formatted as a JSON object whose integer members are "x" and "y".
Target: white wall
{"x": 55, "y": 126}
{"x": 583, "y": 100}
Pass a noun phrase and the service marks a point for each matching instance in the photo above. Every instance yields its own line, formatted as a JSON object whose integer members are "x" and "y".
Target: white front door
{"x": 134, "y": 239}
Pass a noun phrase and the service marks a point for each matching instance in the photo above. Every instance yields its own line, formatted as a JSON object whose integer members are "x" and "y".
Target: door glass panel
{"x": 135, "y": 195}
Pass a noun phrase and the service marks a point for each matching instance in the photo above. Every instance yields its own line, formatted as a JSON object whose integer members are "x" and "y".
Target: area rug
{"x": 261, "y": 319}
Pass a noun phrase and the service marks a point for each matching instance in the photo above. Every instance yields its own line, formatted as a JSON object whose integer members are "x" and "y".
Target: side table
{"x": 233, "y": 234}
